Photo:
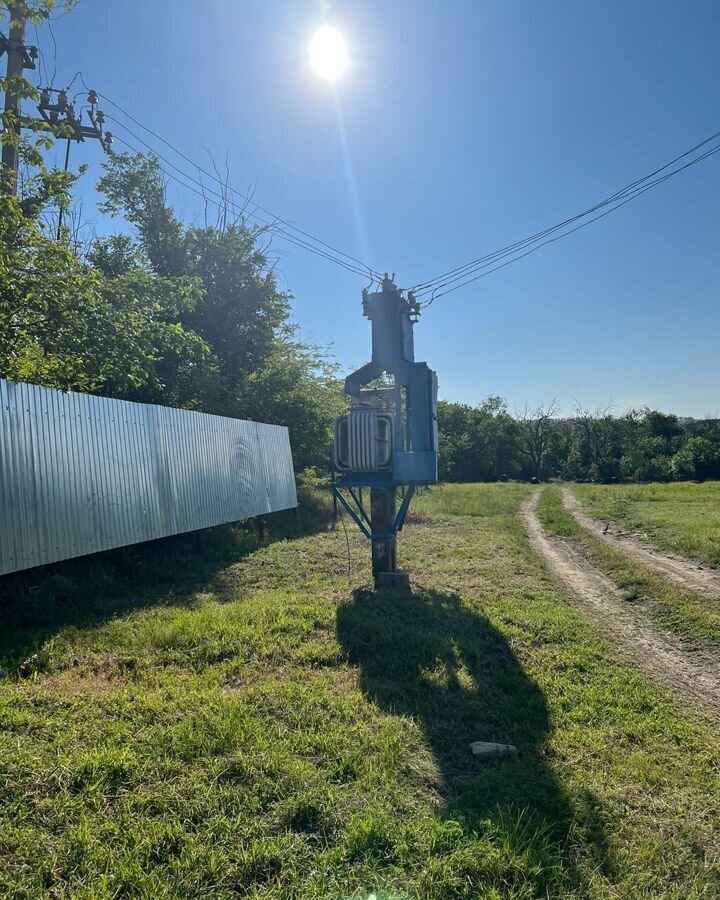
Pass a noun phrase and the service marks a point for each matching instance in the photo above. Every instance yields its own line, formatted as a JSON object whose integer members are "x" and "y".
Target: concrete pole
{"x": 384, "y": 553}
{"x": 15, "y": 67}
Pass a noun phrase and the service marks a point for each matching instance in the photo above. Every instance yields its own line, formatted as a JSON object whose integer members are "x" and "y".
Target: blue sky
{"x": 468, "y": 125}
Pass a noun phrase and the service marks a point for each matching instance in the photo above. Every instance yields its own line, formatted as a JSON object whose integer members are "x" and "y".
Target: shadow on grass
{"x": 429, "y": 656}
{"x": 37, "y": 603}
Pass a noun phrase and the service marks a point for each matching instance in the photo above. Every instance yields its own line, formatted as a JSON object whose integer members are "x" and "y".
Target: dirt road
{"x": 691, "y": 674}
{"x": 682, "y": 571}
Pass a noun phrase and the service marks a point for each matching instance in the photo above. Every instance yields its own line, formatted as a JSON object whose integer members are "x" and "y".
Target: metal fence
{"x": 79, "y": 473}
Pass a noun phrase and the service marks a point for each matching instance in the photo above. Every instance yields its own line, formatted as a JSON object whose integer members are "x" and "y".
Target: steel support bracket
{"x": 362, "y": 520}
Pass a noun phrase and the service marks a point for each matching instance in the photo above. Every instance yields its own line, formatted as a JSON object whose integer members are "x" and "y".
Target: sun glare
{"x": 328, "y": 53}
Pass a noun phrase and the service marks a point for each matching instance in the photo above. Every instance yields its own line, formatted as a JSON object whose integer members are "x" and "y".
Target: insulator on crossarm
{"x": 92, "y": 98}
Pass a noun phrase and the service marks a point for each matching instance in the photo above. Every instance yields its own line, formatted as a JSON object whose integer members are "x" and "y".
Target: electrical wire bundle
{"x": 459, "y": 277}
{"x": 218, "y": 196}
{"x": 425, "y": 292}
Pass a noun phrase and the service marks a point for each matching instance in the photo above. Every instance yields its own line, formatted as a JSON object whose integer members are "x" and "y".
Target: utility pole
{"x": 57, "y": 113}
{"x": 388, "y": 439}
{"x": 18, "y": 59}
{"x": 384, "y": 551}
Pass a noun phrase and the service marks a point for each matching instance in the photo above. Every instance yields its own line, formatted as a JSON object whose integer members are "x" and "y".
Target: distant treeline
{"x": 488, "y": 443}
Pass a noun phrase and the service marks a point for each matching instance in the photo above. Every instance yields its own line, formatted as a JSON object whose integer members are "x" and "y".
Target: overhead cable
{"x": 614, "y": 201}
{"x": 302, "y": 235}
{"x": 209, "y": 195}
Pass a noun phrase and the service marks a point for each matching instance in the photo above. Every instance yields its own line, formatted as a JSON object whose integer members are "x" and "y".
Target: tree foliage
{"x": 64, "y": 324}
{"x": 169, "y": 313}
{"x": 484, "y": 443}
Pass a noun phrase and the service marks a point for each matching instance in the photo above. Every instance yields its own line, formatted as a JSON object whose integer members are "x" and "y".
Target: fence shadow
{"x": 86, "y": 591}
{"x": 427, "y": 655}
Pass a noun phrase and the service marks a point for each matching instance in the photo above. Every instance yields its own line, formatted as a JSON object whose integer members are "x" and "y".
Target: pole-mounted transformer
{"x": 388, "y": 441}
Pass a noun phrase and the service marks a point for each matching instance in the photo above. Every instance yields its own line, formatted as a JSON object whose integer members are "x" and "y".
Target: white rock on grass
{"x": 488, "y": 749}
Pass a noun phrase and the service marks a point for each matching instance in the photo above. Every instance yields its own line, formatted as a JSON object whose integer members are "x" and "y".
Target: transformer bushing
{"x": 388, "y": 441}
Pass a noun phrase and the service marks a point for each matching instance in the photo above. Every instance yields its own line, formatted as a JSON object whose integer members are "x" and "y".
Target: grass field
{"x": 681, "y": 610}
{"x": 682, "y": 517}
{"x": 257, "y": 724}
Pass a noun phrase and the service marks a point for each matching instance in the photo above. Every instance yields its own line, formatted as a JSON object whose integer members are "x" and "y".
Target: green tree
{"x": 537, "y": 428}
{"x": 241, "y": 313}
{"x": 497, "y": 437}
{"x": 698, "y": 458}
{"x": 297, "y": 386}
{"x": 477, "y": 443}
{"x": 64, "y": 324}
{"x": 455, "y": 441}
{"x": 263, "y": 372}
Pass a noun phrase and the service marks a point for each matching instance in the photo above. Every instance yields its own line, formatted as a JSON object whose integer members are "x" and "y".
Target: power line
{"x": 436, "y": 296}
{"x": 516, "y": 258}
{"x": 41, "y": 67}
{"x": 453, "y": 279}
{"x": 72, "y": 82}
{"x": 636, "y": 191}
{"x": 55, "y": 52}
{"x": 366, "y": 269}
{"x": 614, "y": 201}
{"x": 293, "y": 239}
{"x": 622, "y": 202}
{"x": 482, "y": 262}
{"x": 519, "y": 244}
{"x": 202, "y": 191}
{"x": 52, "y": 112}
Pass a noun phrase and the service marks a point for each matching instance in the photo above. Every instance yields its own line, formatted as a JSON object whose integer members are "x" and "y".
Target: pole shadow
{"x": 427, "y": 655}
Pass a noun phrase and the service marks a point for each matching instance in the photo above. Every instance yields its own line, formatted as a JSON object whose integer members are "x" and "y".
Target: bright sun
{"x": 328, "y": 53}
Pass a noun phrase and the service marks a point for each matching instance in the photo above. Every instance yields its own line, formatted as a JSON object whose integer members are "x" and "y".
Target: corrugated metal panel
{"x": 79, "y": 473}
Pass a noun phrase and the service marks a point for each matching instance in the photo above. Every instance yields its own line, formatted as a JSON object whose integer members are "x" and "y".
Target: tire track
{"x": 678, "y": 569}
{"x": 690, "y": 674}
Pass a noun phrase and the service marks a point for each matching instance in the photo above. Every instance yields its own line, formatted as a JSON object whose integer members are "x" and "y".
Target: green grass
{"x": 682, "y": 517}
{"x": 276, "y": 732}
{"x": 471, "y": 500}
{"x": 685, "y": 612}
